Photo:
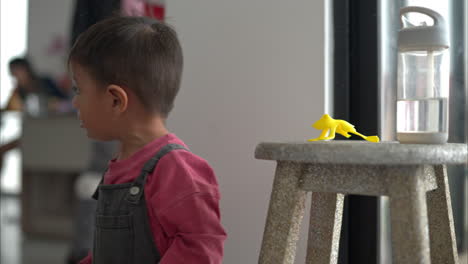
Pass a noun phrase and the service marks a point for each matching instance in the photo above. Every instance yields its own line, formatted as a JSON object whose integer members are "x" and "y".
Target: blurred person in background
{"x": 29, "y": 82}
{"x": 34, "y": 94}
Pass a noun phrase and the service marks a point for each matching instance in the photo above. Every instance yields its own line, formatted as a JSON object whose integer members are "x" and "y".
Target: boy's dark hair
{"x": 138, "y": 53}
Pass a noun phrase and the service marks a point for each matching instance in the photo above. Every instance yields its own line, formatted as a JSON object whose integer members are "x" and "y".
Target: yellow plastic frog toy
{"x": 327, "y": 124}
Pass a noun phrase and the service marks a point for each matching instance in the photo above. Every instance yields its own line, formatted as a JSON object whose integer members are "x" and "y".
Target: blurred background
{"x": 254, "y": 71}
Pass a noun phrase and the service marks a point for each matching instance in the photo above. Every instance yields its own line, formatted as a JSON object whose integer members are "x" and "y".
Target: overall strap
{"x": 136, "y": 189}
{"x": 95, "y": 195}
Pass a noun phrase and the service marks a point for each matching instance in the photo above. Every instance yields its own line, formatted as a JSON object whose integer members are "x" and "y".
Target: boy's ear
{"x": 119, "y": 97}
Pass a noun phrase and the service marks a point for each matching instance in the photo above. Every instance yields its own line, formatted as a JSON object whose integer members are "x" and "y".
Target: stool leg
{"x": 408, "y": 214}
{"x": 326, "y": 214}
{"x": 285, "y": 214}
{"x": 441, "y": 227}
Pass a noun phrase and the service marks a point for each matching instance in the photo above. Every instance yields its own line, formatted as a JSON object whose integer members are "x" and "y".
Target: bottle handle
{"x": 438, "y": 19}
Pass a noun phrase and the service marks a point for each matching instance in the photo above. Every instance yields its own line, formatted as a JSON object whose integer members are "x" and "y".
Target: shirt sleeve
{"x": 194, "y": 224}
{"x": 87, "y": 260}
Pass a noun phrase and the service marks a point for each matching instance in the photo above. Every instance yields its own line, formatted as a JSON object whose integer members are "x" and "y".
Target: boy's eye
{"x": 76, "y": 90}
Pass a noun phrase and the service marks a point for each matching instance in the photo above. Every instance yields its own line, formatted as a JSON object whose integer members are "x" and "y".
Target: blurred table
{"x": 55, "y": 151}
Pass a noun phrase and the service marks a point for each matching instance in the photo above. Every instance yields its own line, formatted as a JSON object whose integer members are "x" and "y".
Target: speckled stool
{"x": 413, "y": 177}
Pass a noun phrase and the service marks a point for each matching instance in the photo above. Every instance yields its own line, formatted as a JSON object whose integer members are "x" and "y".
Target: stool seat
{"x": 413, "y": 176}
{"x": 362, "y": 152}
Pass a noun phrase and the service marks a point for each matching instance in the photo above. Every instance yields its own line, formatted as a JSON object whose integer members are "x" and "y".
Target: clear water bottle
{"x": 423, "y": 78}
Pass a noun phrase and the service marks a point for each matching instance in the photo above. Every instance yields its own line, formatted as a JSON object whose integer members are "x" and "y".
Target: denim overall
{"x": 123, "y": 234}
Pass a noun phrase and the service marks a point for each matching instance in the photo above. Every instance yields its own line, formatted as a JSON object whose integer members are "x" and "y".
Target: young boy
{"x": 157, "y": 202}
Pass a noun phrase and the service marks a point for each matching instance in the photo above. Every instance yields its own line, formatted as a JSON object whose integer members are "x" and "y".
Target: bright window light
{"x": 13, "y": 43}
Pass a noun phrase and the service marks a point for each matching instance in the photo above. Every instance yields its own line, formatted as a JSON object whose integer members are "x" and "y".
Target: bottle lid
{"x": 423, "y": 37}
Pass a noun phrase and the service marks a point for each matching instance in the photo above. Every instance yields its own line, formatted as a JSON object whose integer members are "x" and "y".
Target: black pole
{"x": 356, "y": 100}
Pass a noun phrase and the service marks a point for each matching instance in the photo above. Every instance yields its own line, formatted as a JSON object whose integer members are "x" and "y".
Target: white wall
{"x": 254, "y": 71}
{"x": 49, "y": 20}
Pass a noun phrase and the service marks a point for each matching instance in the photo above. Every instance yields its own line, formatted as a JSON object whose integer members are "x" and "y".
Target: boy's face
{"x": 92, "y": 104}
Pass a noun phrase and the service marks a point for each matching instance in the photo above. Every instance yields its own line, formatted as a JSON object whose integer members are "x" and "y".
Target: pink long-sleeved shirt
{"x": 183, "y": 203}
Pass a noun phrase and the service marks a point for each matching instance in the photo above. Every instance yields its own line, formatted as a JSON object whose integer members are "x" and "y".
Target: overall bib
{"x": 123, "y": 233}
